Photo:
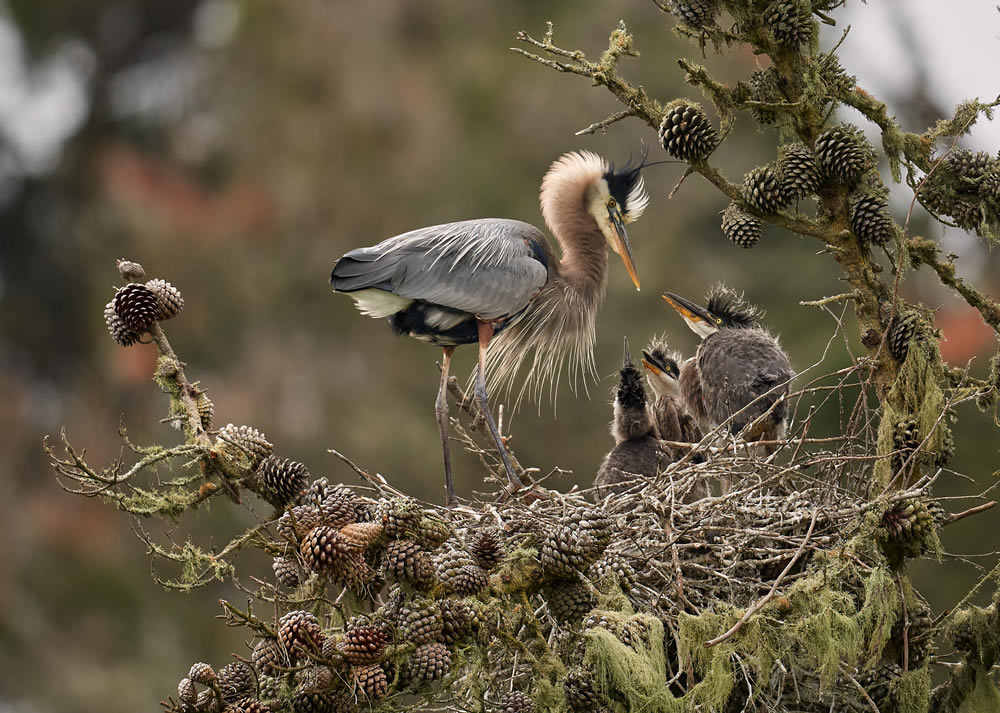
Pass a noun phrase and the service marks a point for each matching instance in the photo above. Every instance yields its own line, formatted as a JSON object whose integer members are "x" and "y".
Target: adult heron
{"x": 740, "y": 374}
{"x": 638, "y": 453}
{"x": 471, "y": 281}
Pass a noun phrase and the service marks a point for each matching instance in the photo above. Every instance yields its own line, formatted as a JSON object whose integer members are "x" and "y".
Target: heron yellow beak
{"x": 689, "y": 310}
{"x": 621, "y": 244}
{"x": 649, "y": 361}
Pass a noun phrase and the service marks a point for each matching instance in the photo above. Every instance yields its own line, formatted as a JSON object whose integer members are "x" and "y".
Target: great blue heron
{"x": 462, "y": 283}
{"x": 673, "y": 421}
{"x": 740, "y": 373}
{"x": 638, "y": 451}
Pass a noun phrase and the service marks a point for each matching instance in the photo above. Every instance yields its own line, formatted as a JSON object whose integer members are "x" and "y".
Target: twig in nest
{"x": 377, "y": 480}
{"x": 770, "y": 595}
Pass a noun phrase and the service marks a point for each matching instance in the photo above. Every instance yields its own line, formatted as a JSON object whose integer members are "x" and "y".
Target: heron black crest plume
{"x": 732, "y": 308}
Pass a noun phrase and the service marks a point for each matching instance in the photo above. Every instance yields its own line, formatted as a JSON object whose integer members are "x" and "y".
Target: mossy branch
{"x": 926, "y": 251}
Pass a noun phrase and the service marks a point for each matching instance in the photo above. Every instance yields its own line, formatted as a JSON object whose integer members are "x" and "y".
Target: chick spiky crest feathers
{"x": 732, "y": 307}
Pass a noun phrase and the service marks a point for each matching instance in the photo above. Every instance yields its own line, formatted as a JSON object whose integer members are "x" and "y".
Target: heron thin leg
{"x": 441, "y": 409}
{"x": 485, "y": 334}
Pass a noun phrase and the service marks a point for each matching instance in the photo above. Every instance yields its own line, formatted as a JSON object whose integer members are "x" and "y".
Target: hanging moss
{"x": 912, "y": 691}
{"x": 634, "y": 672}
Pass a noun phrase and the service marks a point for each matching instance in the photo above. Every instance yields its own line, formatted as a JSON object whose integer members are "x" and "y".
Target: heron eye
{"x": 612, "y": 203}
{"x": 718, "y": 320}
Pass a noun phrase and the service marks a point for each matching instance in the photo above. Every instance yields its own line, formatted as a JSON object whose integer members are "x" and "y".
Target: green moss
{"x": 913, "y": 691}
{"x": 635, "y": 673}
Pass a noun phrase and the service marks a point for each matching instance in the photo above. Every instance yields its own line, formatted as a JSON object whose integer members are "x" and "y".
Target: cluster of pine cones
{"x": 841, "y": 154}
{"x": 966, "y": 187}
{"x": 425, "y": 585}
{"x": 789, "y": 22}
{"x": 136, "y": 306}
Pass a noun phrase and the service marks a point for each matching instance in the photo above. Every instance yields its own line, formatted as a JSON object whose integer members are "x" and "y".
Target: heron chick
{"x": 638, "y": 453}
{"x": 740, "y": 374}
{"x": 471, "y": 281}
{"x": 673, "y": 420}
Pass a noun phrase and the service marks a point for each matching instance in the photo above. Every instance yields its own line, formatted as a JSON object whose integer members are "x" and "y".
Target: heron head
{"x": 662, "y": 370}
{"x": 618, "y": 197}
{"x": 701, "y": 321}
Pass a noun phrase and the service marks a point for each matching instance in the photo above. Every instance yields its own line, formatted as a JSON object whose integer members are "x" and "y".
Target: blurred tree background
{"x": 237, "y": 149}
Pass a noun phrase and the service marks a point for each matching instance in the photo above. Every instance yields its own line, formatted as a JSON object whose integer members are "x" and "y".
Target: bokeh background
{"x": 237, "y": 148}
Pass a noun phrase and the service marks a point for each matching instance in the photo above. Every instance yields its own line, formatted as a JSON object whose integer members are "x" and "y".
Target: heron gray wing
{"x": 490, "y": 267}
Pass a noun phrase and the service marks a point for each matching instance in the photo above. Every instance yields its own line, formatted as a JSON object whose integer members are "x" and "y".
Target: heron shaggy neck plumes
{"x": 560, "y": 323}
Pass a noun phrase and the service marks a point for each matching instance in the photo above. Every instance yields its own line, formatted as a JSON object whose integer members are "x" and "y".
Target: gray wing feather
{"x": 738, "y": 367}
{"x": 485, "y": 267}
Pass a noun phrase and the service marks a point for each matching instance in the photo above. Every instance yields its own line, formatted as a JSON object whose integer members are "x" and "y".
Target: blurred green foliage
{"x": 236, "y": 150}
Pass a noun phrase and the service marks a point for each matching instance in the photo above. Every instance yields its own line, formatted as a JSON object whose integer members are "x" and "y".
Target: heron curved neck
{"x": 583, "y": 264}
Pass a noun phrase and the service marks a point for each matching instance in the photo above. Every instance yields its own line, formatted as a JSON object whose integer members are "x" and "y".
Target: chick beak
{"x": 621, "y": 244}
{"x": 691, "y": 312}
{"x": 651, "y": 363}
{"x": 626, "y": 358}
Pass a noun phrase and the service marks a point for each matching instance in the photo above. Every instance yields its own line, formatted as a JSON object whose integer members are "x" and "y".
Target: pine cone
{"x": 235, "y": 680}
{"x": 244, "y": 445}
{"x": 765, "y": 87}
{"x": 762, "y": 190}
{"x": 429, "y": 663}
{"x": 904, "y": 327}
{"x": 281, "y": 480}
{"x": 966, "y": 638}
{"x": 844, "y": 153}
{"x": 741, "y": 227}
{"x": 878, "y": 683}
{"x": 325, "y": 551}
{"x": 370, "y": 681}
{"x": 968, "y": 165}
{"x": 470, "y": 579}
{"x": 967, "y": 214}
{"x": 800, "y": 175}
{"x": 569, "y": 550}
{"x": 129, "y": 270}
{"x": 614, "y": 565}
{"x": 168, "y": 298}
{"x": 202, "y": 673}
{"x": 207, "y": 702}
{"x": 421, "y": 621}
{"x": 187, "y": 692}
{"x": 516, "y": 702}
{"x": 790, "y": 22}
{"x": 339, "y": 508}
{"x": 947, "y": 449}
{"x": 123, "y": 335}
{"x": 406, "y": 561}
{"x": 305, "y": 517}
{"x": 989, "y": 188}
{"x": 906, "y": 435}
{"x": 687, "y": 134}
{"x": 696, "y": 13}
{"x": 870, "y": 219}
{"x": 837, "y": 81}
{"x": 298, "y": 630}
{"x": 362, "y": 534}
{"x": 363, "y": 644}
{"x": 487, "y": 548}
{"x": 286, "y": 571}
{"x": 908, "y": 520}
{"x": 402, "y": 518}
{"x": 580, "y": 693}
{"x": 206, "y": 409}
{"x": 268, "y": 656}
{"x": 450, "y": 566}
{"x": 432, "y": 532}
{"x": 247, "y": 705}
{"x": 137, "y": 306}
{"x": 457, "y": 620}
{"x": 317, "y": 678}
{"x": 313, "y": 702}
{"x": 569, "y": 600}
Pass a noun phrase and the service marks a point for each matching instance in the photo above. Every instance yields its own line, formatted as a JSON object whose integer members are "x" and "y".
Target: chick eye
{"x": 718, "y": 320}
{"x": 612, "y": 203}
